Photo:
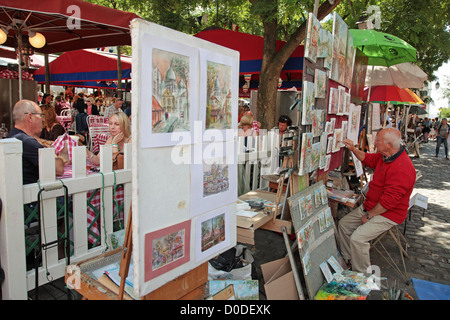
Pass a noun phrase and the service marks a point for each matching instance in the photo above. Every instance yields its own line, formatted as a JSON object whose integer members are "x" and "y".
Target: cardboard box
{"x": 246, "y": 226}
{"x": 279, "y": 280}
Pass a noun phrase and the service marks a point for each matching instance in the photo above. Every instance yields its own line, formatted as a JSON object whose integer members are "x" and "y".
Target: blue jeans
{"x": 438, "y": 145}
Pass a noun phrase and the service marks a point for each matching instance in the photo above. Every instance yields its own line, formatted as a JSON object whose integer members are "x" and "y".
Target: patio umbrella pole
{"x": 19, "y": 48}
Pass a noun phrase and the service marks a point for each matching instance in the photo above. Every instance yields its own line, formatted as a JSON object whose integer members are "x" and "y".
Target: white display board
{"x": 185, "y": 102}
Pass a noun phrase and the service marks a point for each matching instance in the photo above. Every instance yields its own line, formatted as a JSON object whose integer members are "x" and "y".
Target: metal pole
{"x": 19, "y": 45}
{"x": 298, "y": 285}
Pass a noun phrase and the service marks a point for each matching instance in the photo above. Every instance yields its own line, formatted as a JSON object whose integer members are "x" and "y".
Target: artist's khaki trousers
{"x": 354, "y": 237}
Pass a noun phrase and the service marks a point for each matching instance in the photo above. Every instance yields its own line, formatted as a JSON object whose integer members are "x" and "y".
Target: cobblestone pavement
{"x": 427, "y": 232}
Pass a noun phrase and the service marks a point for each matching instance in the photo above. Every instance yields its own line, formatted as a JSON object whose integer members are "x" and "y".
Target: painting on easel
{"x": 170, "y": 92}
{"x": 308, "y": 102}
{"x": 312, "y": 38}
{"x": 218, "y": 95}
{"x": 170, "y": 96}
{"x": 212, "y": 233}
{"x": 167, "y": 249}
{"x": 218, "y": 107}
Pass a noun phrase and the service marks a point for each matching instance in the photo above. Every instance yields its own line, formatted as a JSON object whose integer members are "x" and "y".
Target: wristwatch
{"x": 367, "y": 214}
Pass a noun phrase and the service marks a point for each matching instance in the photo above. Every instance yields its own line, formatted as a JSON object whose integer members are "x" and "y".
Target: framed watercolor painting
{"x": 340, "y": 30}
{"x": 320, "y": 81}
{"x": 337, "y": 139}
{"x": 212, "y": 233}
{"x": 218, "y": 96}
{"x": 333, "y": 101}
{"x": 323, "y": 149}
{"x": 325, "y": 49}
{"x": 213, "y": 177}
{"x": 312, "y": 38}
{"x": 305, "y": 154}
{"x": 166, "y": 249}
{"x": 354, "y": 119}
{"x": 308, "y": 102}
{"x": 170, "y": 77}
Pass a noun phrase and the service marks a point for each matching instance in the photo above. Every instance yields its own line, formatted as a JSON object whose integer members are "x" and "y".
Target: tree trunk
{"x": 273, "y": 62}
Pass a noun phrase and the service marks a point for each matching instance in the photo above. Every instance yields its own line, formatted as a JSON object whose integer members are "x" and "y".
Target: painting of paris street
{"x": 168, "y": 249}
{"x": 170, "y": 92}
{"x": 215, "y": 179}
{"x": 218, "y": 100}
{"x": 213, "y": 231}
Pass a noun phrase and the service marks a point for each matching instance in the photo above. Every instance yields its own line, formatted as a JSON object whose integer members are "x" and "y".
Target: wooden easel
{"x": 287, "y": 168}
{"x": 126, "y": 256}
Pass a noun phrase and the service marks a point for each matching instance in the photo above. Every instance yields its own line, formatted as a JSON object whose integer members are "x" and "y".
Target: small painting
{"x": 317, "y": 125}
{"x": 323, "y": 149}
{"x": 215, "y": 178}
{"x": 344, "y": 127}
{"x": 354, "y": 118}
{"x": 341, "y": 100}
{"x": 337, "y": 140}
{"x": 305, "y": 155}
{"x": 315, "y": 156}
{"x": 308, "y": 102}
{"x": 320, "y": 81}
{"x": 340, "y": 30}
{"x": 167, "y": 249}
{"x": 330, "y": 144}
{"x": 325, "y": 49}
{"x": 333, "y": 101}
{"x": 218, "y": 106}
{"x": 213, "y": 231}
{"x": 170, "y": 92}
{"x": 327, "y": 162}
{"x": 312, "y": 38}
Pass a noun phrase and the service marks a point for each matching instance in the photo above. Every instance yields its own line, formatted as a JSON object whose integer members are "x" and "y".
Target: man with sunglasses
{"x": 28, "y": 123}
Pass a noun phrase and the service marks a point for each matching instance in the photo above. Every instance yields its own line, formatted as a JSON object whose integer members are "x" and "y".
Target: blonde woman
{"x": 119, "y": 128}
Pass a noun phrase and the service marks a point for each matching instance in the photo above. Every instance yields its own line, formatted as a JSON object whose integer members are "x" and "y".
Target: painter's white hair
{"x": 393, "y": 136}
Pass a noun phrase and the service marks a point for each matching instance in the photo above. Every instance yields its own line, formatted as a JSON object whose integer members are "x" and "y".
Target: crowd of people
{"x": 433, "y": 130}
{"x": 36, "y": 125}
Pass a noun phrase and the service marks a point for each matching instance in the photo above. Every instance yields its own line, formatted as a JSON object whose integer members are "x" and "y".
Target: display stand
{"x": 189, "y": 286}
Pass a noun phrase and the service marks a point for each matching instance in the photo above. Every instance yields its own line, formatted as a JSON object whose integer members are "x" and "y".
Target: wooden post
{"x": 12, "y": 239}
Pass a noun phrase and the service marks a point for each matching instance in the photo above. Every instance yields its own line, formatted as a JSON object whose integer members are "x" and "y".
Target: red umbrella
{"x": 391, "y": 93}
{"x": 66, "y": 24}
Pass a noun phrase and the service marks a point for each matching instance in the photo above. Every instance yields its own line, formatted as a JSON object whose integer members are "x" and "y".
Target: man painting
{"x": 386, "y": 202}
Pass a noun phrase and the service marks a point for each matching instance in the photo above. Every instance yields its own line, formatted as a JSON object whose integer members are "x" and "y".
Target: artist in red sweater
{"x": 387, "y": 200}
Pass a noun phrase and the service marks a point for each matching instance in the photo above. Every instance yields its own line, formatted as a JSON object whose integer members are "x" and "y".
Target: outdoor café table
{"x": 95, "y": 203}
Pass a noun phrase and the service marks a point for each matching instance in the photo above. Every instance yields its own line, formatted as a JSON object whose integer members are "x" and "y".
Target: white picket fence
{"x": 260, "y": 159}
{"x": 14, "y": 195}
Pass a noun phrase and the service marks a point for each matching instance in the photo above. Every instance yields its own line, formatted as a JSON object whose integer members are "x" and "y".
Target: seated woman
{"x": 52, "y": 128}
{"x": 246, "y": 126}
{"x": 119, "y": 128}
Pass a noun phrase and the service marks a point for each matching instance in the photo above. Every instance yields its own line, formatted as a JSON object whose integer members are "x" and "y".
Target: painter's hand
{"x": 349, "y": 144}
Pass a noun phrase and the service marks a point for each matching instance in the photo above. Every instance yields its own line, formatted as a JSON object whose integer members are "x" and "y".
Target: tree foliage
{"x": 422, "y": 23}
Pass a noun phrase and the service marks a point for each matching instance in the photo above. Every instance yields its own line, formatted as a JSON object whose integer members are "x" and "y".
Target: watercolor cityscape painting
{"x": 215, "y": 178}
{"x": 213, "y": 231}
{"x": 168, "y": 248}
{"x": 170, "y": 92}
{"x": 218, "y": 104}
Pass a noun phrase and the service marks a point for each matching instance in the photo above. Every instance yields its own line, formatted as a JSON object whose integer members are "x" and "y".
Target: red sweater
{"x": 391, "y": 186}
